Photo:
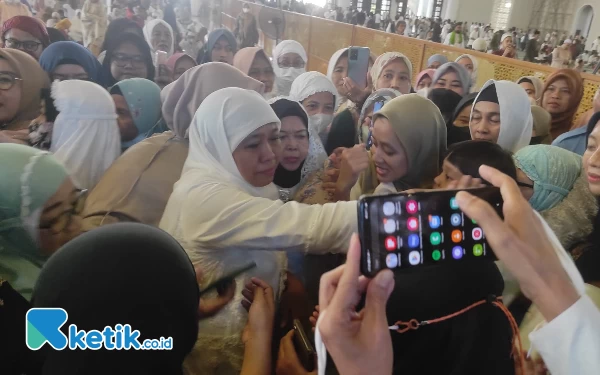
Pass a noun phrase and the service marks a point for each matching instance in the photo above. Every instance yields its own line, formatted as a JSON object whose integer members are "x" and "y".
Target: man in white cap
{"x": 561, "y": 56}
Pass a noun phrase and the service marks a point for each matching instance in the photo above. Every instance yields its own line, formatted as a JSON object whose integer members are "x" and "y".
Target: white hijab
{"x": 85, "y": 137}
{"x": 225, "y": 118}
{"x": 285, "y": 76}
{"x": 339, "y": 99}
{"x": 475, "y": 68}
{"x": 310, "y": 83}
{"x": 516, "y": 121}
{"x": 149, "y": 27}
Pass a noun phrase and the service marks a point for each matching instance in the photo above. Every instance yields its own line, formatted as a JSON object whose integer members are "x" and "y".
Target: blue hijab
{"x": 71, "y": 53}
{"x": 205, "y": 54}
{"x": 143, "y": 99}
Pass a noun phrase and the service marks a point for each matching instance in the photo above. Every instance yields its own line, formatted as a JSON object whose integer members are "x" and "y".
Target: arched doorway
{"x": 583, "y": 20}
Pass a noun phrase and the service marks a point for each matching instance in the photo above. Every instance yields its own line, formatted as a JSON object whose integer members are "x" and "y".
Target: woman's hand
{"x": 260, "y": 305}
{"x": 353, "y": 162}
{"x": 358, "y": 342}
{"x": 288, "y": 362}
{"x": 209, "y": 307}
{"x": 521, "y": 242}
{"x": 356, "y": 94}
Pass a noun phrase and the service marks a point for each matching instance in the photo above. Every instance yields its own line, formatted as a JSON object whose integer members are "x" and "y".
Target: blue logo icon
{"x": 457, "y": 252}
{"x": 434, "y": 221}
{"x": 453, "y": 203}
{"x": 43, "y": 326}
{"x": 413, "y": 241}
{"x": 455, "y": 220}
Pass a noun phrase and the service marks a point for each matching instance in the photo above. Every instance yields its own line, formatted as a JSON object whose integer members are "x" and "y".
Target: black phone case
{"x": 304, "y": 348}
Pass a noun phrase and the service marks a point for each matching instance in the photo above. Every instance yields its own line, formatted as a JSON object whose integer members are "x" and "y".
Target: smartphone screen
{"x": 402, "y": 231}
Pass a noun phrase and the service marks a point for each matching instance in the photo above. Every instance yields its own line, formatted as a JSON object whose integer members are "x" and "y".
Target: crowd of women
{"x": 117, "y": 177}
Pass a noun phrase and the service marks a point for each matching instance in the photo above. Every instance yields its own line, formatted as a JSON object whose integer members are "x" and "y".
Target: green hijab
{"x": 29, "y": 178}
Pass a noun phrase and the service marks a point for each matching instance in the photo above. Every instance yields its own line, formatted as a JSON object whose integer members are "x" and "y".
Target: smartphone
{"x": 404, "y": 231}
{"x": 304, "y": 347}
{"x": 224, "y": 281}
{"x": 160, "y": 64}
{"x": 378, "y": 105}
{"x": 358, "y": 65}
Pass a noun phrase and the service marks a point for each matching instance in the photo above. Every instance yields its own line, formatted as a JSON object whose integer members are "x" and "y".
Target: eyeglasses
{"x": 28, "y": 45}
{"x": 63, "y": 221}
{"x": 7, "y": 81}
{"x": 121, "y": 60}
{"x": 298, "y": 64}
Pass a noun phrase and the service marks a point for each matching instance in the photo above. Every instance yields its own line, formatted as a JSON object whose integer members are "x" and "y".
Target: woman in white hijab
{"x": 225, "y": 213}
{"x": 471, "y": 64}
{"x": 85, "y": 137}
{"x": 317, "y": 95}
{"x": 159, "y": 36}
{"x": 337, "y": 70}
{"x": 502, "y": 114}
{"x": 289, "y": 61}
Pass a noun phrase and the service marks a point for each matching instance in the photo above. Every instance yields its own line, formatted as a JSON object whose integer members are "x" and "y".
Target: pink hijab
{"x": 426, "y": 72}
{"x": 172, "y": 61}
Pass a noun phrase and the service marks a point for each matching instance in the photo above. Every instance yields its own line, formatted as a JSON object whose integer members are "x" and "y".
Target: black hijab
{"x": 124, "y": 273}
{"x": 136, "y": 40}
{"x": 287, "y": 108}
{"x": 117, "y": 28}
{"x": 446, "y": 100}
{"x": 458, "y": 134}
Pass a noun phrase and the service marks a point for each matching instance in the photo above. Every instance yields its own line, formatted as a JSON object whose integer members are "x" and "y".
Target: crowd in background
{"x": 144, "y": 156}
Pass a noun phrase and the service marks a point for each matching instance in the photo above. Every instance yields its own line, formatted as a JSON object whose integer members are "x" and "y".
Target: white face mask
{"x": 285, "y": 78}
{"x": 424, "y": 92}
{"x": 320, "y": 122}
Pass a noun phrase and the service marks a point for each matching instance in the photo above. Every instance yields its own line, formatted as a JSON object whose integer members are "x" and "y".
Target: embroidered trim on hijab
{"x": 85, "y": 136}
{"x": 437, "y": 58}
{"x": 283, "y": 108}
{"x": 143, "y": 99}
{"x": 184, "y": 96}
{"x": 463, "y": 75}
{"x": 475, "y": 64}
{"x": 149, "y": 28}
{"x": 538, "y": 85}
{"x": 427, "y": 72}
{"x": 136, "y": 41}
{"x": 205, "y": 54}
{"x": 311, "y": 83}
{"x": 71, "y": 53}
{"x": 553, "y": 171}
{"x": 172, "y": 61}
{"x": 34, "y": 79}
{"x": 385, "y": 59}
{"x": 31, "y": 25}
{"x": 562, "y": 122}
{"x": 516, "y": 121}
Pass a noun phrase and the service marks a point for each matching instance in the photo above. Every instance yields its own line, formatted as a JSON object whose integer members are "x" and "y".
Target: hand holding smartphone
{"x": 358, "y": 65}
{"x": 404, "y": 231}
{"x": 304, "y": 347}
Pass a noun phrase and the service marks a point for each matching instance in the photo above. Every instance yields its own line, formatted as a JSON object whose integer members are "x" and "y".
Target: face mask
{"x": 285, "y": 78}
{"x": 320, "y": 122}
{"x": 424, "y": 92}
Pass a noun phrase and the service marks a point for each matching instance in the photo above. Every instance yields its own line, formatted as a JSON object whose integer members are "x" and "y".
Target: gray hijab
{"x": 463, "y": 75}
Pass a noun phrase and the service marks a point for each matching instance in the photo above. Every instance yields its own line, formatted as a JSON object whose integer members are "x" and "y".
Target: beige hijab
{"x": 34, "y": 79}
{"x": 542, "y": 121}
{"x": 420, "y": 127}
{"x": 244, "y": 58}
{"x": 138, "y": 185}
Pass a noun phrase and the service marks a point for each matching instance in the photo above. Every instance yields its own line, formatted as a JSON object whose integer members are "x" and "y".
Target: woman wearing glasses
{"x": 39, "y": 213}
{"x": 21, "y": 84}
{"x": 289, "y": 61}
{"x": 27, "y": 34}
{"x": 128, "y": 57}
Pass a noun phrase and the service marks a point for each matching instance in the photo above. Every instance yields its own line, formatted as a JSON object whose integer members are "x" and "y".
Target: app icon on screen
{"x": 391, "y": 243}
{"x": 389, "y": 208}
{"x": 436, "y": 255}
{"x": 457, "y": 252}
{"x": 453, "y": 204}
{"x": 456, "y": 236}
{"x": 413, "y": 241}
{"x": 477, "y": 233}
{"x": 412, "y": 224}
{"x": 389, "y": 226}
{"x": 412, "y": 207}
{"x": 414, "y": 257}
{"x": 478, "y": 250}
{"x": 435, "y": 238}
{"x": 455, "y": 220}
{"x": 391, "y": 260}
{"x": 434, "y": 221}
